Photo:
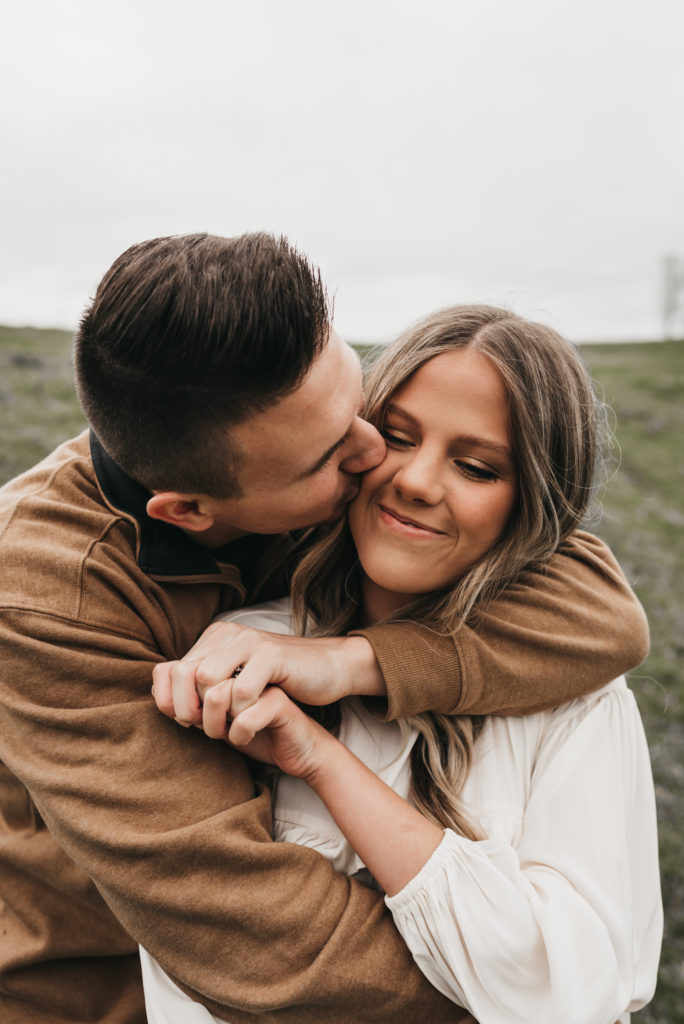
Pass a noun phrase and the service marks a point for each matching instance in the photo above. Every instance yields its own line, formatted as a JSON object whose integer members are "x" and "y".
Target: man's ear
{"x": 184, "y": 510}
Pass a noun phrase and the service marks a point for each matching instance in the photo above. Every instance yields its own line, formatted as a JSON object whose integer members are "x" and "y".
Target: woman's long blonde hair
{"x": 556, "y": 426}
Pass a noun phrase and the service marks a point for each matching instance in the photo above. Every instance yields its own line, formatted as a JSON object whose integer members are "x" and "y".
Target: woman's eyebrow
{"x": 483, "y": 442}
{"x": 398, "y": 411}
{"x": 469, "y": 439}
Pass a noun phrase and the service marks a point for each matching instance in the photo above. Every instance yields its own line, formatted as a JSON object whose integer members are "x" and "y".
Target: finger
{"x": 161, "y": 688}
{"x": 186, "y": 702}
{"x": 269, "y": 711}
{"x": 222, "y": 664}
{"x": 263, "y": 669}
{"x": 216, "y": 709}
{"x": 214, "y": 637}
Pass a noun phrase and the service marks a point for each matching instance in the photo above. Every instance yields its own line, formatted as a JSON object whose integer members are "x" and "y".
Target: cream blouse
{"x": 557, "y": 915}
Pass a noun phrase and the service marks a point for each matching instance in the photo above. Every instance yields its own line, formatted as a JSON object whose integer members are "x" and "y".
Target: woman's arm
{"x": 390, "y": 836}
{"x": 565, "y": 925}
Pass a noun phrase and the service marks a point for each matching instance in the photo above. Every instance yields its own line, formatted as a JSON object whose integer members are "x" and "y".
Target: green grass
{"x": 38, "y": 406}
{"x": 643, "y": 522}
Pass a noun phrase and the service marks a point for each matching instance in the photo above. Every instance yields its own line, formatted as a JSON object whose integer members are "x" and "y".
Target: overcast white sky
{"x": 522, "y": 152}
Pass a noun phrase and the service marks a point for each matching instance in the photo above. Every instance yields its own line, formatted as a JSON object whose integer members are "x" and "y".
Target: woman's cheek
{"x": 356, "y": 513}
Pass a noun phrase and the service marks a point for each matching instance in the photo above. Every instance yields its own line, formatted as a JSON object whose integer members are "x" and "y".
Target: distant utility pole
{"x": 673, "y": 297}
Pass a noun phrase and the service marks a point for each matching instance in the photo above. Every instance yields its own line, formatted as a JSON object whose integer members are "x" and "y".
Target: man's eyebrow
{"x": 319, "y": 463}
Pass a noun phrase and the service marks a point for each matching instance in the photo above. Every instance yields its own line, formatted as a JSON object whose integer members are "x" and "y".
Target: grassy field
{"x": 643, "y": 522}
{"x": 38, "y": 406}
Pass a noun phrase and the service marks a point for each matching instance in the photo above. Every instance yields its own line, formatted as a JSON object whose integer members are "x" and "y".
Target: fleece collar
{"x": 168, "y": 554}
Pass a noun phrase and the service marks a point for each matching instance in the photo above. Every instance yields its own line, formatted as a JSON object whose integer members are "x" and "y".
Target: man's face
{"x": 300, "y": 459}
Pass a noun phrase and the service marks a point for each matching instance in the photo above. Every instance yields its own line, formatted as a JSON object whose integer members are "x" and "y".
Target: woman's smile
{"x": 405, "y": 525}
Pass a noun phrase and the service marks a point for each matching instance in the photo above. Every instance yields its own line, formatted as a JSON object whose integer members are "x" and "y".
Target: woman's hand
{"x": 314, "y": 672}
{"x": 273, "y": 729}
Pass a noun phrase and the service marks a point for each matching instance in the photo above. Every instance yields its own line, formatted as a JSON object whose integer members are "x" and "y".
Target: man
{"x": 225, "y": 411}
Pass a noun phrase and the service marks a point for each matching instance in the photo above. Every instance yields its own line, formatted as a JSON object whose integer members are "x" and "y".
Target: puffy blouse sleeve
{"x": 563, "y": 924}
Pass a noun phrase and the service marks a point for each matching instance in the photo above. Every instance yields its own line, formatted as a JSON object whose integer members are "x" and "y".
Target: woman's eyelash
{"x": 394, "y": 439}
{"x": 476, "y": 472}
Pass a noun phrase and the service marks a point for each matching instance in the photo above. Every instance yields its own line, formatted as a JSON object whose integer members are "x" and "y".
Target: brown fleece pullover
{"x": 117, "y": 827}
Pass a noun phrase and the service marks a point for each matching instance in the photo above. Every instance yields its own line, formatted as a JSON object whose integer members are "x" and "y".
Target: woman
{"x": 518, "y": 855}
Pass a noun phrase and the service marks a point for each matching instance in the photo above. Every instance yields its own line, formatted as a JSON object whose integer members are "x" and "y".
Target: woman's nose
{"x": 418, "y": 479}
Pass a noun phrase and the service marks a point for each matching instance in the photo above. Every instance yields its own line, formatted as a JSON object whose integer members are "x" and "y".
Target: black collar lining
{"x": 164, "y": 550}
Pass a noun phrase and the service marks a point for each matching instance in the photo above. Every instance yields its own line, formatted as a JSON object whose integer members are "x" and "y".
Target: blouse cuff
{"x": 432, "y": 866}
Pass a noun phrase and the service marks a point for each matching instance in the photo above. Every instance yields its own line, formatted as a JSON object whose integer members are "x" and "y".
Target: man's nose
{"x": 366, "y": 448}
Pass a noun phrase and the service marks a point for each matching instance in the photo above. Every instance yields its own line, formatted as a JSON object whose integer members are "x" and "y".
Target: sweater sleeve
{"x": 565, "y": 924}
{"x": 178, "y": 841}
{"x": 551, "y": 637}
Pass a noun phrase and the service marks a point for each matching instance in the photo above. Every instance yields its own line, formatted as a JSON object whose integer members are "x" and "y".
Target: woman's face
{"x": 446, "y": 489}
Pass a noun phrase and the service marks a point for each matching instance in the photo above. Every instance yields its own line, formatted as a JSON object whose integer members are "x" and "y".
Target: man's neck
{"x": 216, "y": 536}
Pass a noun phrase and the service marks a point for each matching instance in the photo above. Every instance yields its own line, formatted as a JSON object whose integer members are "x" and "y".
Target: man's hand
{"x": 246, "y": 660}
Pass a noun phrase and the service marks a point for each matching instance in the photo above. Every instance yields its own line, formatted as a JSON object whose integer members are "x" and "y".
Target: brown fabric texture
{"x": 553, "y": 636}
{"x": 119, "y": 827}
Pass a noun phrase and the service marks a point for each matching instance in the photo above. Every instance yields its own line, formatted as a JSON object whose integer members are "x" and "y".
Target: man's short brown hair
{"x": 188, "y": 335}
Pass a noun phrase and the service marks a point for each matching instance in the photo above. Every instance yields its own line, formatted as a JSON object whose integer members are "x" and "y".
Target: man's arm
{"x": 550, "y": 638}
{"x": 178, "y": 841}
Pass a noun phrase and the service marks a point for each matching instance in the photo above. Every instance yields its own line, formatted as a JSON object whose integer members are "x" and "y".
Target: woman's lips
{"x": 403, "y": 524}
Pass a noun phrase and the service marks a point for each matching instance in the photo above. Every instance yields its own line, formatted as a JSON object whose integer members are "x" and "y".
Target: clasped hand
{"x": 234, "y": 668}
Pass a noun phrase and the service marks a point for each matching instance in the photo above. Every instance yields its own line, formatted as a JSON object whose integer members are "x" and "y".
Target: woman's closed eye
{"x": 395, "y": 440}
{"x": 475, "y": 471}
